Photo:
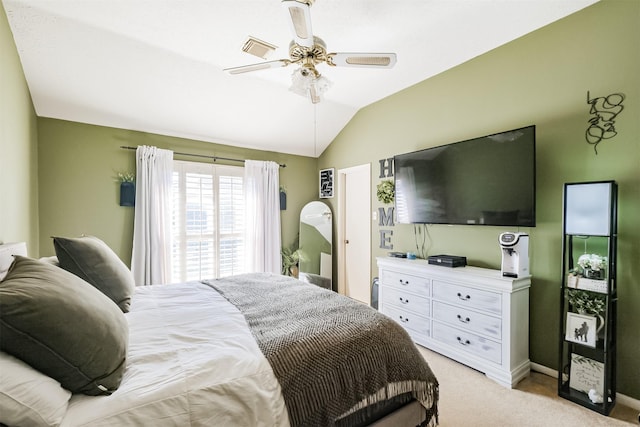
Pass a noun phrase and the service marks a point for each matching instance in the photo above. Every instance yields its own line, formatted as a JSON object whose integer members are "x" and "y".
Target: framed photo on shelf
{"x": 581, "y": 329}
{"x": 326, "y": 183}
{"x": 586, "y": 374}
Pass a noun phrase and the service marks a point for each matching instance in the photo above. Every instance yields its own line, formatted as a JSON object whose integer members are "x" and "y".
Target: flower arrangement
{"x": 386, "y": 191}
{"x": 592, "y": 262}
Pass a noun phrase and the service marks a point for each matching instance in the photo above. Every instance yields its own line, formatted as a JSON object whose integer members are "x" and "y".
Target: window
{"x": 207, "y": 221}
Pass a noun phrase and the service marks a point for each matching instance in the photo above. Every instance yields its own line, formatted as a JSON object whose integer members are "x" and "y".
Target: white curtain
{"x": 262, "y": 204}
{"x": 151, "y": 257}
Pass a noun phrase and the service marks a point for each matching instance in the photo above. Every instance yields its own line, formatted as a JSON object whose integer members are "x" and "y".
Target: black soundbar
{"x": 448, "y": 260}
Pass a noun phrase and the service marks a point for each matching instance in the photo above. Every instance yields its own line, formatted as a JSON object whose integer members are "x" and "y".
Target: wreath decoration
{"x": 386, "y": 191}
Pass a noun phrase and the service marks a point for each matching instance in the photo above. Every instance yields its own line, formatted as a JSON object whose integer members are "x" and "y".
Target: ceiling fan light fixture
{"x": 308, "y": 83}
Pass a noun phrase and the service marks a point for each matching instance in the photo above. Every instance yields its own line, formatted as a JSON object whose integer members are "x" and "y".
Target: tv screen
{"x": 482, "y": 181}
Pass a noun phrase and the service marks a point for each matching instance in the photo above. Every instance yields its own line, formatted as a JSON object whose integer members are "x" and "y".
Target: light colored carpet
{"x": 469, "y": 398}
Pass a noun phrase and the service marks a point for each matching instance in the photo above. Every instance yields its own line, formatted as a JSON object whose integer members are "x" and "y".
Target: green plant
{"x": 125, "y": 177}
{"x": 386, "y": 191}
{"x": 586, "y": 302}
{"x": 290, "y": 258}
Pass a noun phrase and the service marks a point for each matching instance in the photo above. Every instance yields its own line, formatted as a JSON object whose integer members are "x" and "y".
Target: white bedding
{"x": 192, "y": 361}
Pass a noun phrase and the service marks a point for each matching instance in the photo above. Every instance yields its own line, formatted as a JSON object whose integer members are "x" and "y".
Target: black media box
{"x": 448, "y": 260}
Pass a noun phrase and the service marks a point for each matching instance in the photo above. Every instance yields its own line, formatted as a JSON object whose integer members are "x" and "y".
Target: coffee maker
{"x": 515, "y": 254}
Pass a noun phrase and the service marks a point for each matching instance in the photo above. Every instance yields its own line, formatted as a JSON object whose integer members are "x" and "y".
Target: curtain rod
{"x": 214, "y": 158}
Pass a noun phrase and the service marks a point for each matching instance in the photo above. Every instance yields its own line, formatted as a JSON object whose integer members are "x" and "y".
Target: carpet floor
{"x": 469, "y": 398}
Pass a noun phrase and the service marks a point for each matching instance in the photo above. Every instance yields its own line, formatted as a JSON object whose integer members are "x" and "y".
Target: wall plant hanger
{"x": 127, "y": 182}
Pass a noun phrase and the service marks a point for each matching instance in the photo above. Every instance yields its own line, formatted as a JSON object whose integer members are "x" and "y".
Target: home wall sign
{"x": 603, "y": 110}
{"x": 385, "y": 215}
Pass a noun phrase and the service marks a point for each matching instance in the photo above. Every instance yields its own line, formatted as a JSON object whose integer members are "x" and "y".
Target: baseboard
{"x": 621, "y": 398}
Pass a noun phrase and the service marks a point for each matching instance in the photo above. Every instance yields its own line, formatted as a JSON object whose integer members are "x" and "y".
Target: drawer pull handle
{"x": 464, "y": 298}
{"x": 404, "y": 300}
{"x": 404, "y": 282}
{"x": 463, "y": 320}
{"x": 465, "y": 342}
{"x": 404, "y": 319}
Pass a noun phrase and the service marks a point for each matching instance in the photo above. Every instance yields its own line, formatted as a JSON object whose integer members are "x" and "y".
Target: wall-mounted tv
{"x": 489, "y": 180}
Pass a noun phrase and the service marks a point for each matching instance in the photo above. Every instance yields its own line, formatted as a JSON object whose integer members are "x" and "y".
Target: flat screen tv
{"x": 489, "y": 180}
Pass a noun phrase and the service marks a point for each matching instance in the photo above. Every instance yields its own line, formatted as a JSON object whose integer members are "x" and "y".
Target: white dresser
{"x": 470, "y": 314}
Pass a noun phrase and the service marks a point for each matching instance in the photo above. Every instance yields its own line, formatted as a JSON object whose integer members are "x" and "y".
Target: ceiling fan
{"x": 307, "y": 51}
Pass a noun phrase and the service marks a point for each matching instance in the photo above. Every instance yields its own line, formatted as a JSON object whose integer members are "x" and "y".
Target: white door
{"x": 354, "y": 233}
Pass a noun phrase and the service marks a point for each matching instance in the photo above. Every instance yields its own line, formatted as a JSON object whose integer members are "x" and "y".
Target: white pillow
{"x": 28, "y": 397}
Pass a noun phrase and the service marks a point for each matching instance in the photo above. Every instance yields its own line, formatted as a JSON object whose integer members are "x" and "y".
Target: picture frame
{"x": 586, "y": 374}
{"x": 326, "y": 183}
{"x": 581, "y": 329}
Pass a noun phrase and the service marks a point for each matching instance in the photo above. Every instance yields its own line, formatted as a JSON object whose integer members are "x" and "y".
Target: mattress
{"x": 204, "y": 369}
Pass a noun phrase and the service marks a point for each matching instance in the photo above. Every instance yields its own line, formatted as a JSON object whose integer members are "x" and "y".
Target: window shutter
{"x": 208, "y": 221}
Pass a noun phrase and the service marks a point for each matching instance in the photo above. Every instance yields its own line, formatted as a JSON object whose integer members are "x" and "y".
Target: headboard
{"x": 7, "y": 251}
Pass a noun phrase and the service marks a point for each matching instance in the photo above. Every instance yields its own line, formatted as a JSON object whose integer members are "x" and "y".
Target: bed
{"x": 248, "y": 350}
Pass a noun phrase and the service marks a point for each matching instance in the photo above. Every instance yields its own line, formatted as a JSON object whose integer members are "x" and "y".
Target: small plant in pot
{"x": 290, "y": 260}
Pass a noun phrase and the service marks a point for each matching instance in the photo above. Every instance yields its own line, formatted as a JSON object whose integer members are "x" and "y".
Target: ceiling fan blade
{"x": 300, "y": 21}
{"x": 258, "y": 66}
{"x": 359, "y": 59}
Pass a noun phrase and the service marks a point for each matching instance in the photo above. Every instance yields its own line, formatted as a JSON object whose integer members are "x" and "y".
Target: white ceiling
{"x": 156, "y": 65}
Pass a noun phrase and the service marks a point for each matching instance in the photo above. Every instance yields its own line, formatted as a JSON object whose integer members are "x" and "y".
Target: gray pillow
{"x": 94, "y": 262}
{"x": 62, "y": 326}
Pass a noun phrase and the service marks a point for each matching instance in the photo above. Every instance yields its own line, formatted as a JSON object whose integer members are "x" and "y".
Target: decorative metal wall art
{"x": 604, "y": 110}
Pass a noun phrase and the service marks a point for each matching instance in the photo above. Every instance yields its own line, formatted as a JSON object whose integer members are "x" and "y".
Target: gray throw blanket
{"x": 332, "y": 355}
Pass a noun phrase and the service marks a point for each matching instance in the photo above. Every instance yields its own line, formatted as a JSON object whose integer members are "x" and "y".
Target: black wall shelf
{"x": 588, "y": 307}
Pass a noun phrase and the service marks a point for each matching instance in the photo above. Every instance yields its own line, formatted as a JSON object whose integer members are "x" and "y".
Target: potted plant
{"x": 290, "y": 260}
{"x": 593, "y": 266}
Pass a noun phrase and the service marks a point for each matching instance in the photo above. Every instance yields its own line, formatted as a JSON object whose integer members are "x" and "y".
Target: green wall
{"x": 540, "y": 79}
{"x": 18, "y": 148}
{"x": 79, "y": 194}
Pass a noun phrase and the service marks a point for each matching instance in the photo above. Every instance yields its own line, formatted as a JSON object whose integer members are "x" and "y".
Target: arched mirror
{"x": 316, "y": 250}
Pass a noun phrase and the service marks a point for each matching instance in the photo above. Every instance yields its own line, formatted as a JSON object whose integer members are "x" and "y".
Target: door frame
{"x": 341, "y": 249}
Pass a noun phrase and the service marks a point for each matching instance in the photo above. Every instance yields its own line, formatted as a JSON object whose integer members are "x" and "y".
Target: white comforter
{"x": 192, "y": 361}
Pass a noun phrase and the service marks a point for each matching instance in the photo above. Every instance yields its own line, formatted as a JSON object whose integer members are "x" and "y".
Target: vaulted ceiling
{"x": 157, "y": 66}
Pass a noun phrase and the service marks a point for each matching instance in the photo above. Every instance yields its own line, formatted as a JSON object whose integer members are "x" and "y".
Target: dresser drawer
{"x": 412, "y": 322}
{"x": 415, "y": 284}
{"x": 405, "y": 300}
{"x": 467, "y": 341}
{"x": 468, "y": 320}
{"x": 468, "y": 297}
